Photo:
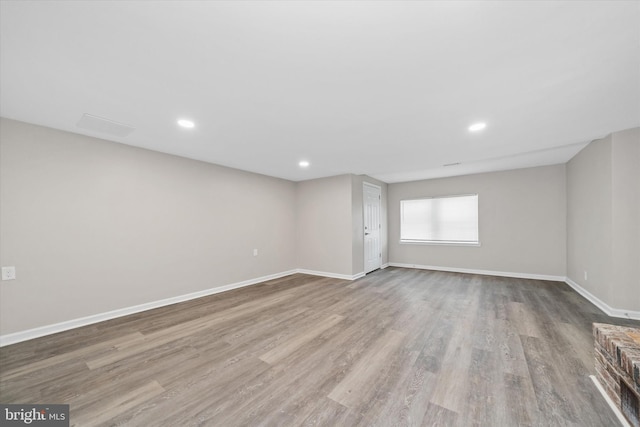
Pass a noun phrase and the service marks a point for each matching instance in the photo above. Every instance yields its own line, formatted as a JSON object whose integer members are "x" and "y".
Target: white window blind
{"x": 440, "y": 220}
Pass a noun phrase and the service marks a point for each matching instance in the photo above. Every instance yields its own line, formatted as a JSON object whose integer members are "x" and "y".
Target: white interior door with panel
{"x": 371, "y": 209}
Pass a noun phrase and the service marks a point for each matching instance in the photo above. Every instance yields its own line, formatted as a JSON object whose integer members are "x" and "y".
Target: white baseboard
{"x": 359, "y": 275}
{"x": 385, "y": 265}
{"x": 332, "y": 275}
{"x": 41, "y": 331}
{"x": 101, "y": 317}
{"x": 614, "y": 408}
{"x": 609, "y": 311}
{"x": 483, "y": 272}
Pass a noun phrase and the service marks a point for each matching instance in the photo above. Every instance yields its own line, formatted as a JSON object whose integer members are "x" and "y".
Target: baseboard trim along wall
{"x": 483, "y": 272}
{"x": 332, "y": 275}
{"x": 609, "y": 311}
{"x": 614, "y": 408}
{"x": 101, "y": 317}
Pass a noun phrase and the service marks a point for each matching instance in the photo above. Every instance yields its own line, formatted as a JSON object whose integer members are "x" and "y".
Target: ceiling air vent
{"x": 102, "y": 125}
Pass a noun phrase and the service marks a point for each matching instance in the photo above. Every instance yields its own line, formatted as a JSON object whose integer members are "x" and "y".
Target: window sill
{"x": 430, "y": 243}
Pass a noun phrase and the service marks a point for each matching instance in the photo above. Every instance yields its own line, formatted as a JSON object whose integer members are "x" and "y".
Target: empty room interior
{"x": 338, "y": 213}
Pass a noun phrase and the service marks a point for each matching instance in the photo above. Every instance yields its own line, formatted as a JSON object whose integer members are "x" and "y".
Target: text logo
{"x": 34, "y": 415}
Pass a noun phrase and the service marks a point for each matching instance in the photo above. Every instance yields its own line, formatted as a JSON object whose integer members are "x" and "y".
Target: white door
{"x": 372, "y": 254}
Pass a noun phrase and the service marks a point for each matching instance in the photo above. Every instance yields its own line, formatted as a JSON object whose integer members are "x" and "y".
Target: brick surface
{"x": 617, "y": 358}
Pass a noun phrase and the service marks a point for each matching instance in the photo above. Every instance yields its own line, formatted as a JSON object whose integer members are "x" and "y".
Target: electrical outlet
{"x": 585, "y": 275}
{"x": 8, "y": 273}
{"x": 255, "y": 252}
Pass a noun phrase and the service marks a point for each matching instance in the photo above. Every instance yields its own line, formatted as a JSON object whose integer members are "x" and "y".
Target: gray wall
{"x": 589, "y": 200}
{"x": 521, "y": 224}
{"x": 323, "y": 208}
{"x": 603, "y": 217}
{"x": 626, "y": 220}
{"x": 94, "y": 226}
{"x": 330, "y": 224}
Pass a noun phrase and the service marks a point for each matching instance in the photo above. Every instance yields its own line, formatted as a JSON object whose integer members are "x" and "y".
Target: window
{"x": 448, "y": 220}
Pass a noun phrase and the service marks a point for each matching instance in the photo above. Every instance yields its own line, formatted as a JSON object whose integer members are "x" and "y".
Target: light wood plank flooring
{"x": 399, "y": 347}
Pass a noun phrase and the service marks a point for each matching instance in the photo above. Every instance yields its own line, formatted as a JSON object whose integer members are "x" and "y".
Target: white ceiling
{"x": 386, "y": 89}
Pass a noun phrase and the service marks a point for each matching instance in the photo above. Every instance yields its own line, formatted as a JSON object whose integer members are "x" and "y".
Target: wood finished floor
{"x": 397, "y": 347}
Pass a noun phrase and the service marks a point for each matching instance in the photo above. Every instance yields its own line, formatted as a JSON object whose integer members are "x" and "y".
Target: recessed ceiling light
{"x": 188, "y": 124}
{"x": 477, "y": 126}
{"x": 303, "y": 164}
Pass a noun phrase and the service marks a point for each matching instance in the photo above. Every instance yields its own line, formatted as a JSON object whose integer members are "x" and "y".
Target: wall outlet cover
{"x": 8, "y": 273}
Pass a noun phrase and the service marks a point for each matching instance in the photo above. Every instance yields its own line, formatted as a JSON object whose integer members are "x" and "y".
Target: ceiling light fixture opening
{"x": 303, "y": 164}
{"x": 185, "y": 123}
{"x": 477, "y": 127}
